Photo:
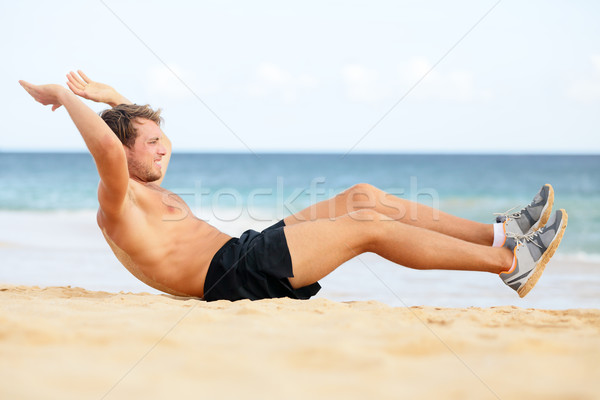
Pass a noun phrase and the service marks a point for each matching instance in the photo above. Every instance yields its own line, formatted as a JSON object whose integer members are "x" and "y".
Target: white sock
{"x": 499, "y": 235}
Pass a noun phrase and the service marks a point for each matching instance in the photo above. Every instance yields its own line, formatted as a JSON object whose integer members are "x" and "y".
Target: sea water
{"x": 48, "y": 234}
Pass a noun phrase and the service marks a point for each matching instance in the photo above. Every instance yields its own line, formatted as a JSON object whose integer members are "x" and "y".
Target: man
{"x": 157, "y": 238}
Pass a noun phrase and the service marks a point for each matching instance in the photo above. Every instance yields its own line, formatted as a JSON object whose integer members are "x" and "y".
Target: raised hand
{"x": 88, "y": 89}
{"x": 45, "y": 94}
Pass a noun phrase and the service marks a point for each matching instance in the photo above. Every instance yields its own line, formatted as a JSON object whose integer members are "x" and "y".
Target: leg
{"x": 318, "y": 247}
{"x": 365, "y": 196}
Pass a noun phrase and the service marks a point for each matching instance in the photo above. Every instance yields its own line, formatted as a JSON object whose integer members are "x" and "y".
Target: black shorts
{"x": 254, "y": 266}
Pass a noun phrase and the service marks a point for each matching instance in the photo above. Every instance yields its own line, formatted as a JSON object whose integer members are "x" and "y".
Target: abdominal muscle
{"x": 170, "y": 255}
{"x": 136, "y": 271}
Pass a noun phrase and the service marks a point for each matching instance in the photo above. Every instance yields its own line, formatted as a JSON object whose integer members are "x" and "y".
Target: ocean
{"x": 48, "y": 234}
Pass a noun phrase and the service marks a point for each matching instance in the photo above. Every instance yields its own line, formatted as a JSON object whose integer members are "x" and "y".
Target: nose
{"x": 162, "y": 150}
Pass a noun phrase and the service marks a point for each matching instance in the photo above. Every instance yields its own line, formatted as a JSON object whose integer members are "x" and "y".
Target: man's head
{"x": 121, "y": 120}
{"x": 138, "y": 128}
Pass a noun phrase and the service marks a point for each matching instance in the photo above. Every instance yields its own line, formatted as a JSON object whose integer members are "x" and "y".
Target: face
{"x": 144, "y": 158}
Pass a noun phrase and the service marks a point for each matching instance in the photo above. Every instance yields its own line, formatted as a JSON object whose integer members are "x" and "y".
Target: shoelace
{"x": 508, "y": 214}
{"x": 528, "y": 237}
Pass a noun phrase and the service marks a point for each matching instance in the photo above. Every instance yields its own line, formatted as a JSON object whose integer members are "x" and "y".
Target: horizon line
{"x": 322, "y": 152}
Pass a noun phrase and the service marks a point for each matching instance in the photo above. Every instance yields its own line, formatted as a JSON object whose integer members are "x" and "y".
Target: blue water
{"x": 471, "y": 186}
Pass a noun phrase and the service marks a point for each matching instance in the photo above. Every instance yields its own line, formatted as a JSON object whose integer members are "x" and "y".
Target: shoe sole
{"x": 541, "y": 264}
{"x": 547, "y": 211}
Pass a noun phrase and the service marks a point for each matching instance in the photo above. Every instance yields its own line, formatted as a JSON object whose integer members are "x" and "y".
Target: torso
{"x": 160, "y": 241}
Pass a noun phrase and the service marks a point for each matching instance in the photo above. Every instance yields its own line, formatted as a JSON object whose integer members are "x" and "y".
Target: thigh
{"x": 339, "y": 205}
{"x": 319, "y": 247}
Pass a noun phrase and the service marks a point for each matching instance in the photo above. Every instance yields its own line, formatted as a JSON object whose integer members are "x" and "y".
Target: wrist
{"x": 64, "y": 94}
{"x": 112, "y": 97}
{"x": 123, "y": 100}
{"x": 118, "y": 99}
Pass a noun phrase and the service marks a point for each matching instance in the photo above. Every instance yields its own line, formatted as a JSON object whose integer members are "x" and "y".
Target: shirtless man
{"x": 157, "y": 238}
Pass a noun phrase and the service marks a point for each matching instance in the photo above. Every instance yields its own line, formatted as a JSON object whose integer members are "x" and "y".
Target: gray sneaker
{"x": 532, "y": 253}
{"x": 532, "y": 217}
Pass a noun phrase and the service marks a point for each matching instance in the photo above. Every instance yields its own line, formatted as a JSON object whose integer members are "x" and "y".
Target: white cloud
{"x": 272, "y": 80}
{"x": 367, "y": 85}
{"x": 362, "y": 84}
{"x": 437, "y": 84}
{"x": 163, "y": 82}
{"x": 587, "y": 89}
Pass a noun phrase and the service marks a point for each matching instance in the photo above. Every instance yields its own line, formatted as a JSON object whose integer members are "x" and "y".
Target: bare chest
{"x": 159, "y": 202}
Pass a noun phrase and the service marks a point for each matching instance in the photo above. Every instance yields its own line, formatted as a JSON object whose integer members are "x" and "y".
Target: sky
{"x": 317, "y": 76}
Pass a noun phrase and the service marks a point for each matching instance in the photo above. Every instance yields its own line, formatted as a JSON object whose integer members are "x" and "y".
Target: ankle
{"x": 506, "y": 259}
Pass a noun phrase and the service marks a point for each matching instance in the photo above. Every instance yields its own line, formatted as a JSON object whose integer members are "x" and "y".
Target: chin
{"x": 149, "y": 177}
{"x": 153, "y": 178}
{"x": 152, "y": 175}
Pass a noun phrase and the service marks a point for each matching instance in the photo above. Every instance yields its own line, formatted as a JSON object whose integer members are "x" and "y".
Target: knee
{"x": 360, "y": 196}
{"x": 371, "y": 226}
{"x": 362, "y": 188}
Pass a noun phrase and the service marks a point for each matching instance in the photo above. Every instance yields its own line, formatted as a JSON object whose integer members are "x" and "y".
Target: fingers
{"x": 75, "y": 89}
{"x": 74, "y": 79}
{"x": 44, "y": 94}
{"x": 25, "y": 85}
{"x": 33, "y": 92}
{"x": 82, "y": 82}
{"x": 30, "y": 88}
{"x": 84, "y": 76}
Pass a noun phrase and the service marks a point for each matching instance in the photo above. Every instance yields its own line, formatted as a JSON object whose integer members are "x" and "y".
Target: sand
{"x": 71, "y": 343}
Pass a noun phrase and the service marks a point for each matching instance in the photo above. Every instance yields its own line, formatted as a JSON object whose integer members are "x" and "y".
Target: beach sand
{"x": 71, "y": 343}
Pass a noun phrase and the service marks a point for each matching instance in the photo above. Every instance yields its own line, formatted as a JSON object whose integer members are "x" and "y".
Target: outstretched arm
{"x": 99, "y": 92}
{"x": 83, "y": 86}
{"x": 102, "y": 143}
